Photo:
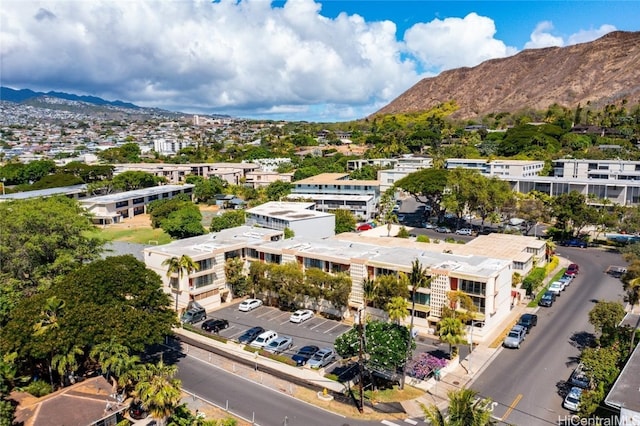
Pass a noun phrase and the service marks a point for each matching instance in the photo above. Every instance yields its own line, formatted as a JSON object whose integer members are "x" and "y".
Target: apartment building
{"x": 486, "y": 280}
{"x": 499, "y": 168}
{"x": 620, "y": 170}
{"x": 301, "y": 218}
{"x": 113, "y": 208}
{"x": 170, "y": 146}
{"x": 401, "y": 168}
{"x": 232, "y": 173}
{"x": 335, "y": 190}
{"x": 259, "y": 178}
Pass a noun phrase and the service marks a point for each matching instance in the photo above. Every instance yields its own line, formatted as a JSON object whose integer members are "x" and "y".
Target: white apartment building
{"x": 232, "y": 173}
{"x": 499, "y": 168}
{"x": 402, "y": 167}
{"x": 114, "y": 208}
{"x": 270, "y": 164}
{"x": 301, "y": 218}
{"x": 259, "y": 178}
{"x": 170, "y": 147}
{"x": 486, "y": 280}
{"x": 620, "y": 170}
{"x": 331, "y": 190}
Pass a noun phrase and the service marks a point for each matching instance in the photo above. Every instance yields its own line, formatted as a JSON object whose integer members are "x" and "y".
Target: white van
{"x": 264, "y": 339}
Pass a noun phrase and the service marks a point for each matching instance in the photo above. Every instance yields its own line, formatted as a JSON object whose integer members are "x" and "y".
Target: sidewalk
{"x": 464, "y": 373}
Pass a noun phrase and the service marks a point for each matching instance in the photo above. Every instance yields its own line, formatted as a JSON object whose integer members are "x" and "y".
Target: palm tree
{"x": 66, "y": 363}
{"x": 158, "y": 390}
{"x": 180, "y": 266}
{"x": 417, "y": 279}
{"x": 369, "y": 288}
{"x": 110, "y": 355}
{"x": 49, "y": 321}
{"x": 465, "y": 409}
{"x": 397, "y": 309}
{"x": 451, "y": 331}
{"x": 549, "y": 249}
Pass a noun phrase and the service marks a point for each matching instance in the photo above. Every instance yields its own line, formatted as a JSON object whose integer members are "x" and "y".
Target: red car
{"x": 365, "y": 227}
{"x": 573, "y": 269}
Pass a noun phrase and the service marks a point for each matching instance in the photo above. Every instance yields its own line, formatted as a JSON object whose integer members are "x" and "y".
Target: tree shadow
{"x": 563, "y": 387}
{"x": 439, "y": 353}
{"x": 582, "y": 340}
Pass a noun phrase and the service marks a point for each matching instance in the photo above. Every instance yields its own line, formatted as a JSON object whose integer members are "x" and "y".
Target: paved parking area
{"x": 318, "y": 331}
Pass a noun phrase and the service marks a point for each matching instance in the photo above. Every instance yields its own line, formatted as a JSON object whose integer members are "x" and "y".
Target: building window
{"x": 472, "y": 287}
{"x": 203, "y": 280}
{"x": 120, "y": 204}
{"x": 138, "y": 200}
{"x": 205, "y": 264}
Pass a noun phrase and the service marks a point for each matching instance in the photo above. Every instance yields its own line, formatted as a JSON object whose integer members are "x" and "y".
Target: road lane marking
{"x": 388, "y": 423}
{"x": 316, "y": 326}
{"x": 411, "y": 421}
{"x": 333, "y": 328}
{"x": 512, "y": 406}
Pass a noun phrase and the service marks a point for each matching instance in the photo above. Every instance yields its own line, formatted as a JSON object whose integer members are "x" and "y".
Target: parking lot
{"x": 318, "y": 331}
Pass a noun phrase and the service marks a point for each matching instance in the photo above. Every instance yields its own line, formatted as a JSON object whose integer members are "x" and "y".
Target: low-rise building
{"x": 336, "y": 189}
{"x": 301, "y": 218}
{"x": 259, "y": 178}
{"x": 499, "y": 168}
{"x": 114, "y": 208}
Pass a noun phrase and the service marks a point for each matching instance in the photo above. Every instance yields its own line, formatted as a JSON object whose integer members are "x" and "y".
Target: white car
{"x": 301, "y": 315}
{"x": 572, "y": 400}
{"x": 464, "y": 231}
{"x": 556, "y": 288}
{"x": 264, "y": 339}
{"x": 249, "y": 305}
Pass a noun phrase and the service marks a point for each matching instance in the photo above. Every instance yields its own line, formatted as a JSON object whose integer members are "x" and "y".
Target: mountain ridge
{"x": 599, "y": 72}
{"x": 22, "y": 95}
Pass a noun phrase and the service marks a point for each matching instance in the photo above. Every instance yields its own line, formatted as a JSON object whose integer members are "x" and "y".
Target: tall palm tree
{"x": 451, "y": 331}
{"x": 50, "y": 316}
{"x": 369, "y": 288}
{"x": 65, "y": 363}
{"x": 180, "y": 266}
{"x": 418, "y": 278}
{"x": 397, "y": 309}
{"x": 158, "y": 390}
{"x": 465, "y": 409}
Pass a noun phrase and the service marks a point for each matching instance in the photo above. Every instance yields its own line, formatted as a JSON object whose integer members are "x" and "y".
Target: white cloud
{"x": 197, "y": 54}
{"x": 584, "y": 36}
{"x": 455, "y": 42}
{"x": 541, "y": 37}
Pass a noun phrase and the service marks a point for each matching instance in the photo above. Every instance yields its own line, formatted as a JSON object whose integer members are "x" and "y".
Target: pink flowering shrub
{"x": 422, "y": 366}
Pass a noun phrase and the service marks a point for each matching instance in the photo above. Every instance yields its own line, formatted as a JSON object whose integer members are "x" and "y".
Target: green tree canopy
{"x": 184, "y": 223}
{"x": 605, "y": 316}
{"x": 426, "y": 185}
{"x": 228, "y": 219}
{"x": 133, "y": 179}
{"x": 277, "y": 190}
{"x": 345, "y": 221}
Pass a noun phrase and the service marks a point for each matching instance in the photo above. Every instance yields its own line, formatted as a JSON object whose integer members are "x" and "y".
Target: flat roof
{"x": 498, "y": 246}
{"x": 625, "y": 392}
{"x": 208, "y": 243}
{"x": 144, "y": 192}
{"x": 338, "y": 197}
{"x": 390, "y": 257}
{"x": 335, "y": 179}
{"x": 287, "y": 210}
{"x": 49, "y": 192}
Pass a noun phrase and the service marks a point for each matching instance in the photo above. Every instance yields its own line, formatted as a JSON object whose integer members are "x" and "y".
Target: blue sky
{"x": 292, "y": 60}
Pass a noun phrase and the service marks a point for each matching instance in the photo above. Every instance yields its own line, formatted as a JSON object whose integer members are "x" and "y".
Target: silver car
{"x": 322, "y": 358}
{"x": 515, "y": 337}
{"x": 279, "y": 345}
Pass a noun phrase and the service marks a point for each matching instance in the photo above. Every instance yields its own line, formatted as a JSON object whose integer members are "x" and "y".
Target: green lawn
{"x": 135, "y": 235}
{"x": 556, "y": 277}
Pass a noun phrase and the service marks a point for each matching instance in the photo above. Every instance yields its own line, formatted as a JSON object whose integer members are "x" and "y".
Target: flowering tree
{"x": 424, "y": 364}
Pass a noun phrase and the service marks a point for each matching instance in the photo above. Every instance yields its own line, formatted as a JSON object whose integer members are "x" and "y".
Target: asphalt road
{"x": 529, "y": 384}
{"x": 250, "y": 400}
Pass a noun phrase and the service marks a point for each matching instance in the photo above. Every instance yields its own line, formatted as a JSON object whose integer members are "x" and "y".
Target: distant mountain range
{"x": 600, "y": 72}
{"x": 12, "y": 95}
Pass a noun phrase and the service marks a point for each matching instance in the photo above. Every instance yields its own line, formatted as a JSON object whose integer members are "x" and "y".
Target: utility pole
{"x": 360, "y": 356}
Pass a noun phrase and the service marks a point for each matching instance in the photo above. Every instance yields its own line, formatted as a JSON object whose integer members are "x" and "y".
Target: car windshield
{"x": 572, "y": 399}
{"x": 513, "y": 334}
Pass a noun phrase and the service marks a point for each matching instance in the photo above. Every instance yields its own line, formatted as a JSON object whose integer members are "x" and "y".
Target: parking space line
{"x": 333, "y": 328}
{"x": 322, "y": 323}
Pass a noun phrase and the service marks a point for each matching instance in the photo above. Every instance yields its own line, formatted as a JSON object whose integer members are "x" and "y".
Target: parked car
{"x": 579, "y": 378}
{"x": 364, "y": 227}
{"x": 279, "y": 345}
{"x": 575, "y": 242}
{"x": 250, "y": 335}
{"x": 547, "y": 299}
{"x": 566, "y": 279}
{"x": 194, "y": 315}
{"x": 249, "y": 305}
{"x": 556, "y": 288}
{"x": 301, "y": 315}
{"x": 515, "y": 337}
{"x": 304, "y": 354}
{"x": 322, "y": 358}
{"x": 214, "y": 325}
{"x": 428, "y": 225}
{"x": 137, "y": 411}
{"x": 528, "y": 321}
{"x": 264, "y": 339}
{"x": 573, "y": 269}
{"x": 401, "y": 218}
{"x": 464, "y": 231}
{"x": 443, "y": 230}
{"x": 572, "y": 400}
